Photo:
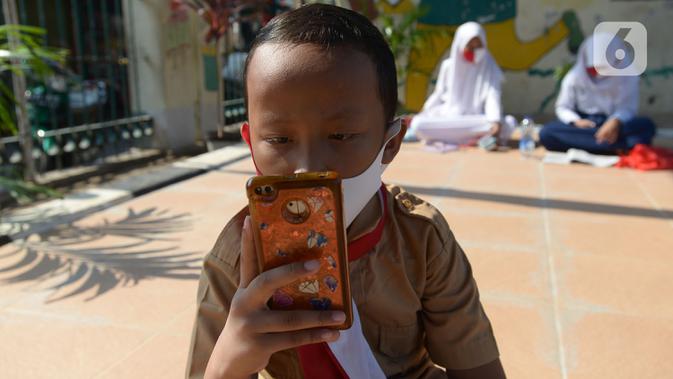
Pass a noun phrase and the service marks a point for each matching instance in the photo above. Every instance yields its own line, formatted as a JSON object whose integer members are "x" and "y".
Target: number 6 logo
{"x": 620, "y": 52}
{"x": 620, "y": 48}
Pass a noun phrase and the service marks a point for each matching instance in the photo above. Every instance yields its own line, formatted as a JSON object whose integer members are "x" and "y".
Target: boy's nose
{"x": 309, "y": 168}
{"x": 309, "y": 162}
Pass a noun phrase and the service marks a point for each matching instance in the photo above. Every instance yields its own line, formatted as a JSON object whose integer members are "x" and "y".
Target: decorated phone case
{"x": 297, "y": 218}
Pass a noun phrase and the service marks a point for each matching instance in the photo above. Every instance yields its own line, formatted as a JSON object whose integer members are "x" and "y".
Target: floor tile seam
{"x": 653, "y": 202}
{"x": 608, "y": 310}
{"x": 553, "y": 281}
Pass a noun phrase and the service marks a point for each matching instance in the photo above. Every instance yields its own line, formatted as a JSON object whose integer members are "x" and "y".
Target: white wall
{"x": 166, "y": 68}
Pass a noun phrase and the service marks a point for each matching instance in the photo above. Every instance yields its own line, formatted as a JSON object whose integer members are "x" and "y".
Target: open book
{"x": 581, "y": 156}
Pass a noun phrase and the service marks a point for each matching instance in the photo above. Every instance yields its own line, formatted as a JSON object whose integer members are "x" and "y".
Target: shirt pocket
{"x": 398, "y": 342}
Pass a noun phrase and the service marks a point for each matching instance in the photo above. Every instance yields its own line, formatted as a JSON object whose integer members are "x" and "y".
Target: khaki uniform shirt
{"x": 417, "y": 300}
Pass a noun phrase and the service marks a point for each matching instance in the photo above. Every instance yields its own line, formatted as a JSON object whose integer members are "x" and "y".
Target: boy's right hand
{"x": 252, "y": 331}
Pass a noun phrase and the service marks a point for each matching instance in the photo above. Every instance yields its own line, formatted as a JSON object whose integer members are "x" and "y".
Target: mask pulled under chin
{"x": 356, "y": 190}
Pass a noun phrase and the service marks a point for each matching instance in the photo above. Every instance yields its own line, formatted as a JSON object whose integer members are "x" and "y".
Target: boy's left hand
{"x": 608, "y": 132}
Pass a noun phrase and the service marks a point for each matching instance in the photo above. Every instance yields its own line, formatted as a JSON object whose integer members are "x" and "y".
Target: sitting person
{"x": 465, "y": 104}
{"x": 321, "y": 94}
{"x": 596, "y": 113}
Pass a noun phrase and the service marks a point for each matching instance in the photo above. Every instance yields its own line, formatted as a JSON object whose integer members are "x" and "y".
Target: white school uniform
{"x": 466, "y": 98}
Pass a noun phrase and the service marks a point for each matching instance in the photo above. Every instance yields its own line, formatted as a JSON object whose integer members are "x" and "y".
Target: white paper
{"x": 581, "y": 156}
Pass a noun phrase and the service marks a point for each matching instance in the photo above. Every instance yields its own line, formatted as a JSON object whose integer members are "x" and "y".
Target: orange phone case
{"x": 297, "y": 218}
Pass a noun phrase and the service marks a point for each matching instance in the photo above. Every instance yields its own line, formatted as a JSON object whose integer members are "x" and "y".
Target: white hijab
{"x": 579, "y": 77}
{"x": 462, "y": 86}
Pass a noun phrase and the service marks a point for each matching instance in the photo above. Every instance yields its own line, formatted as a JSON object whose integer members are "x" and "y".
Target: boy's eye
{"x": 342, "y": 136}
{"x": 276, "y": 140}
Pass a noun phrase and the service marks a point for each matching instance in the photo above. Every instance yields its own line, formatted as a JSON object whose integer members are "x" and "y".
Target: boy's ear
{"x": 245, "y": 133}
{"x": 393, "y": 146}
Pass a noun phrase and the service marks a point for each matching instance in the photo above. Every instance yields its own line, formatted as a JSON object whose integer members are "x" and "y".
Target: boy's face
{"x": 312, "y": 110}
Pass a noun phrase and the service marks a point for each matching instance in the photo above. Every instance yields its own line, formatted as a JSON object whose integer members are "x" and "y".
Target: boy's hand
{"x": 253, "y": 332}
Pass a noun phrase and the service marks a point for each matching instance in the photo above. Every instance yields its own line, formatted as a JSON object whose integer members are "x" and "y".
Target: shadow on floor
{"x": 70, "y": 259}
{"x": 569, "y": 205}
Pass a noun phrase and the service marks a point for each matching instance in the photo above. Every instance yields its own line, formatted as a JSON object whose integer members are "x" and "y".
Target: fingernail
{"x": 311, "y": 265}
{"x": 246, "y": 223}
{"x": 329, "y": 335}
{"x": 339, "y": 316}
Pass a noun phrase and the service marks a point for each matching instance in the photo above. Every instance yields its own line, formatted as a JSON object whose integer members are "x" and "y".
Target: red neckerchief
{"x": 317, "y": 360}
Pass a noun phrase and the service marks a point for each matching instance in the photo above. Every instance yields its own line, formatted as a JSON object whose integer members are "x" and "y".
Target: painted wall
{"x": 528, "y": 38}
{"x": 167, "y": 73}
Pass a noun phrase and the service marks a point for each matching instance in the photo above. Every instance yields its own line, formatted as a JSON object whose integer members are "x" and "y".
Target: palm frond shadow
{"x": 65, "y": 261}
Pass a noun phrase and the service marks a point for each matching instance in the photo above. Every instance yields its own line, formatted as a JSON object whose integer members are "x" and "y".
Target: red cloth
{"x": 644, "y": 158}
{"x": 317, "y": 360}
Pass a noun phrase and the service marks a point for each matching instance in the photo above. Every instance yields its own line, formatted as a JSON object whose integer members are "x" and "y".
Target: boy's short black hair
{"x": 330, "y": 26}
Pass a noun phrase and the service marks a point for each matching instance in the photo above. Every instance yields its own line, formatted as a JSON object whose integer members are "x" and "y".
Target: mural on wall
{"x": 498, "y": 18}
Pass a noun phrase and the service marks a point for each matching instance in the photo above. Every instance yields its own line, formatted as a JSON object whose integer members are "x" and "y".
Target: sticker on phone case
{"x": 281, "y": 253}
{"x": 295, "y": 211}
{"x": 331, "y": 283}
{"x": 331, "y": 262}
{"x": 320, "y": 304}
{"x": 320, "y": 191}
{"x": 329, "y": 216}
{"x": 316, "y": 203}
{"x": 309, "y": 286}
{"x": 263, "y": 226}
{"x": 282, "y": 299}
{"x": 316, "y": 239}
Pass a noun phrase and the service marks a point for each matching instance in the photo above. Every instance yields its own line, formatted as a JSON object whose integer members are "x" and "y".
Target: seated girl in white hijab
{"x": 465, "y": 104}
{"x": 597, "y": 113}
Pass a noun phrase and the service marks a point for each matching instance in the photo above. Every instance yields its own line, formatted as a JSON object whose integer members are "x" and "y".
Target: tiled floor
{"x": 574, "y": 266}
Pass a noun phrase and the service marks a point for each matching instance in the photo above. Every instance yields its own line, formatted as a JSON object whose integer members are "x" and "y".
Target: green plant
{"x": 27, "y": 53}
{"x": 25, "y": 192}
{"x": 406, "y": 39}
{"x": 22, "y": 50}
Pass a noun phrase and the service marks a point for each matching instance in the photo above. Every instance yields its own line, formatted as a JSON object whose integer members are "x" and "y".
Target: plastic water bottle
{"x": 526, "y": 143}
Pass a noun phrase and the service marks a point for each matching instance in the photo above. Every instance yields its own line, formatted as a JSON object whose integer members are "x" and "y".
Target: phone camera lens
{"x": 258, "y": 190}
{"x": 267, "y": 189}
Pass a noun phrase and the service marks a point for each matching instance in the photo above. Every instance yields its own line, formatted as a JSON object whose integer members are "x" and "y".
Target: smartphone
{"x": 299, "y": 217}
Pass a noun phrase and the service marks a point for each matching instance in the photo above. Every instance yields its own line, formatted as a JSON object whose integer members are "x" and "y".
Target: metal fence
{"x": 79, "y": 145}
{"x": 82, "y": 112}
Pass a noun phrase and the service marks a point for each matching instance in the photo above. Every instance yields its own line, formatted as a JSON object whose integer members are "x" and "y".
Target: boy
{"x": 321, "y": 95}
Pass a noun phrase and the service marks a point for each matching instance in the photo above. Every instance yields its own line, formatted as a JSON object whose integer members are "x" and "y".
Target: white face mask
{"x": 359, "y": 189}
{"x": 479, "y": 54}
